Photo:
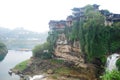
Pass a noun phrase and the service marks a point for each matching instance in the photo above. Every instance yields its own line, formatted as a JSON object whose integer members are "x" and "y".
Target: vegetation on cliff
{"x": 3, "y": 48}
{"x": 95, "y": 38}
{"x": 41, "y": 51}
{"x": 114, "y": 75}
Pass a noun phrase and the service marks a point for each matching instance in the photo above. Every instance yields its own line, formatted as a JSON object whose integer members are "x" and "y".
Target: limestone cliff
{"x": 67, "y": 51}
{"x": 75, "y": 41}
{"x": 71, "y": 52}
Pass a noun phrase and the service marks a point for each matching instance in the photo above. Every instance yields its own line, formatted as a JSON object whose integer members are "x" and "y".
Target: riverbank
{"x": 53, "y": 69}
{"x": 10, "y": 60}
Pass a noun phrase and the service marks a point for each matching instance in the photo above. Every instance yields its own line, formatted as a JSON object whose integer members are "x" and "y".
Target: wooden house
{"x": 57, "y": 25}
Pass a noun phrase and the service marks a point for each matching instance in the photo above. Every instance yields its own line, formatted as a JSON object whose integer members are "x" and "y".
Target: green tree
{"x": 39, "y": 51}
{"x": 90, "y": 30}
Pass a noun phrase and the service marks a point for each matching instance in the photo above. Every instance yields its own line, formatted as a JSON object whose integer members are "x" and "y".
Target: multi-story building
{"x": 69, "y": 21}
{"x": 79, "y": 14}
{"x": 110, "y": 18}
{"x": 57, "y": 25}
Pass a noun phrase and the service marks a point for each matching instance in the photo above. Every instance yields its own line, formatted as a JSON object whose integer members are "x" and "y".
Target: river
{"x": 10, "y": 60}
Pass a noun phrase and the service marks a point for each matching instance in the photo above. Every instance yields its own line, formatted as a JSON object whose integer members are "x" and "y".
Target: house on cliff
{"x": 79, "y": 14}
{"x": 57, "y": 25}
{"x": 69, "y": 21}
{"x": 110, "y": 18}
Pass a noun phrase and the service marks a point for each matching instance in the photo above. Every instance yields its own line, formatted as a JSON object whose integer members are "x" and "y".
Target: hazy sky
{"x": 34, "y": 15}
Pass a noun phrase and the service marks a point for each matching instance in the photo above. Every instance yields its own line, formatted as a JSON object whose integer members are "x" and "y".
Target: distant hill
{"x": 20, "y": 38}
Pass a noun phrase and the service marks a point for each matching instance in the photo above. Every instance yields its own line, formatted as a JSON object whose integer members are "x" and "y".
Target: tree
{"x": 39, "y": 51}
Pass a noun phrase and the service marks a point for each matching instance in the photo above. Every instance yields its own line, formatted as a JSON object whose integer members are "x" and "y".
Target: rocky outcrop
{"x": 62, "y": 40}
{"x": 69, "y": 52}
{"x": 51, "y": 68}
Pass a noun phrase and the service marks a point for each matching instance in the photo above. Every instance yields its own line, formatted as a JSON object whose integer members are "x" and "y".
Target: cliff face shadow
{"x": 2, "y": 56}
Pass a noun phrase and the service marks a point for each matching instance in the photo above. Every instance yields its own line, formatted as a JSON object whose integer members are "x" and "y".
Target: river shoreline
{"x": 10, "y": 60}
{"x": 53, "y": 69}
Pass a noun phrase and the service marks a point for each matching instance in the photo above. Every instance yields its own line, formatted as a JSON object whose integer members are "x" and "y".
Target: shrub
{"x": 113, "y": 75}
{"x": 118, "y": 64}
{"x": 38, "y": 51}
{"x": 46, "y": 55}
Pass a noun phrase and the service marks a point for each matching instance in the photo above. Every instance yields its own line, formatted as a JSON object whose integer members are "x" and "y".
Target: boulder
{"x": 50, "y": 71}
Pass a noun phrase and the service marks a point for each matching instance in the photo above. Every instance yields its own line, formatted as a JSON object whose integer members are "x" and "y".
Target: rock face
{"x": 50, "y": 71}
{"x": 69, "y": 52}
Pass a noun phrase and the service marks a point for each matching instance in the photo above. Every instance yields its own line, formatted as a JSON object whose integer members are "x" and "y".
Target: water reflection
{"x": 9, "y": 61}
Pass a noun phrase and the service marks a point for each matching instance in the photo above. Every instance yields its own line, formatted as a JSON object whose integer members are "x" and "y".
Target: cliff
{"x": 83, "y": 40}
{"x": 76, "y": 47}
{"x": 69, "y": 52}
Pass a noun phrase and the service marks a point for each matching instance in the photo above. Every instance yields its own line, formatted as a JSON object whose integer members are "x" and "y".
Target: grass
{"x": 63, "y": 70}
{"x": 56, "y": 61}
{"x": 21, "y": 66}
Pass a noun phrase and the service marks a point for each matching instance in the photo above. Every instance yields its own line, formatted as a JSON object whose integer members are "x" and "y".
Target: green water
{"x": 9, "y": 61}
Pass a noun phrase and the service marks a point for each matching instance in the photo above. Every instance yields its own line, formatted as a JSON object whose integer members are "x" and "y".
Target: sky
{"x": 35, "y": 15}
